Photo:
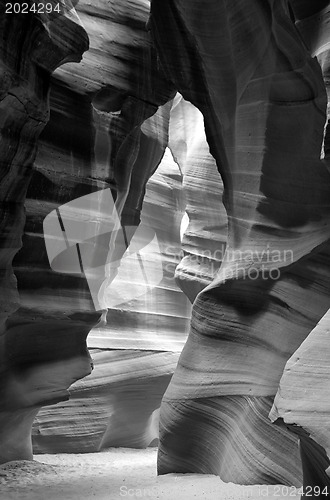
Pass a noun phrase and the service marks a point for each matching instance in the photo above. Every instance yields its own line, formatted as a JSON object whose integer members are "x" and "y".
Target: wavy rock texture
{"x": 301, "y": 402}
{"x": 112, "y": 415}
{"x": 261, "y": 95}
{"x": 245, "y": 67}
{"x": 117, "y": 405}
{"x": 267, "y": 97}
{"x": 204, "y": 239}
{"x": 158, "y": 316}
{"x": 100, "y": 137}
{"x": 32, "y": 46}
{"x": 303, "y": 395}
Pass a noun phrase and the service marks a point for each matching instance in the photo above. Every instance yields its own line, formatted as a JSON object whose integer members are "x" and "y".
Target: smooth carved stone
{"x": 115, "y": 406}
{"x": 229, "y": 436}
{"x": 303, "y": 9}
{"x": 101, "y": 412}
{"x": 45, "y": 42}
{"x": 261, "y": 95}
{"x": 15, "y": 434}
{"x": 121, "y": 54}
{"x": 101, "y": 138}
{"x": 204, "y": 238}
{"x": 303, "y": 396}
{"x": 295, "y": 401}
{"x": 313, "y": 27}
{"x": 316, "y": 467}
{"x": 281, "y": 314}
{"x": 154, "y": 315}
{"x": 315, "y": 463}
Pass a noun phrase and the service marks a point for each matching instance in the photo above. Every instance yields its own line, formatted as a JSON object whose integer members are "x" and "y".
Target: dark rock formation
{"x": 99, "y": 139}
{"x": 255, "y": 189}
{"x": 33, "y": 371}
{"x": 302, "y": 397}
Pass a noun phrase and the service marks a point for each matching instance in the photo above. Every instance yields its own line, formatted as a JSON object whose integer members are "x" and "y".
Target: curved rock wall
{"x": 136, "y": 350}
{"x": 255, "y": 254}
{"x": 204, "y": 239}
{"x": 156, "y": 318}
{"x": 301, "y": 399}
{"x": 99, "y": 137}
{"x": 117, "y": 405}
{"x": 32, "y": 47}
{"x": 261, "y": 95}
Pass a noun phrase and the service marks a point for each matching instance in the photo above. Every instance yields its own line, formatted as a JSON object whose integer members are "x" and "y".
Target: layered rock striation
{"x": 104, "y": 140}
{"x": 244, "y": 65}
{"x": 117, "y": 405}
{"x": 32, "y": 47}
{"x": 254, "y": 257}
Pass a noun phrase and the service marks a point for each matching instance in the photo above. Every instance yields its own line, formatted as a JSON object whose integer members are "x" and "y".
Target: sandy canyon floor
{"x": 118, "y": 473}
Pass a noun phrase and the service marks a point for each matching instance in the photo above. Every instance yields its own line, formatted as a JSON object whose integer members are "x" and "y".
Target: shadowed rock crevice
{"x": 31, "y": 48}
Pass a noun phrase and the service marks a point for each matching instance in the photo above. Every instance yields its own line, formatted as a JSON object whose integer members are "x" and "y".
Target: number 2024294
{"x": 37, "y": 8}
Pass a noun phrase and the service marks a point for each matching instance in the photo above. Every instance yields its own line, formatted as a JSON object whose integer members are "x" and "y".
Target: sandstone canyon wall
{"x": 246, "y": 67}
{"x": 254, "y": 259}
{"x": 85, "y": 133}
{"x": 32, "y": 47}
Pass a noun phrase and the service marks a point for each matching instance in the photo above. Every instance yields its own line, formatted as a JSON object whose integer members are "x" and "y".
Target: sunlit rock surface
{"x": 204, "y": 237}
{"x": 157, "y": 316}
